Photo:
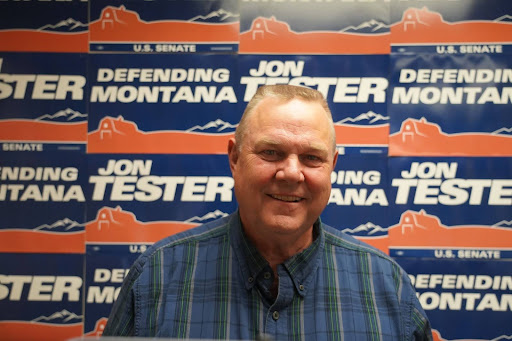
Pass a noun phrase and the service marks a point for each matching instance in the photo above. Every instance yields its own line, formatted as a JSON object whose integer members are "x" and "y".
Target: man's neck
{"x": 278, "y": 248}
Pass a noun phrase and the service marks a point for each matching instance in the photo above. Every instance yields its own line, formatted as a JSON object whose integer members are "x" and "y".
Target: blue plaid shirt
{"x": 211, "y": 282}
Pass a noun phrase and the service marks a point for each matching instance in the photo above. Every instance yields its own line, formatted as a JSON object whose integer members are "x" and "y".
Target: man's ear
{"x": 232, "y": 154}
{"x": 335, "y": 159}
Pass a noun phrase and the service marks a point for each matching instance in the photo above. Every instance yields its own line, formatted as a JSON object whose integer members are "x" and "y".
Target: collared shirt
{"x": 210, "y": 282}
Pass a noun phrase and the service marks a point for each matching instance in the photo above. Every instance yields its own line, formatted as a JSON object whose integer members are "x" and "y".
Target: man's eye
{"x": 270, "y": 154}
{"x": 312, "y": 158}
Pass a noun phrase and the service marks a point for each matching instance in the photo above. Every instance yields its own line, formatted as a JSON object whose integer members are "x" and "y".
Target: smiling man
{"x": 272, "y": 269}
{"x": 281, "y": 161}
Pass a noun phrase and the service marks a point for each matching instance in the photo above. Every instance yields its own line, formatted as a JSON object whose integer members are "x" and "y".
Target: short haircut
{"x": 286, "y": 93}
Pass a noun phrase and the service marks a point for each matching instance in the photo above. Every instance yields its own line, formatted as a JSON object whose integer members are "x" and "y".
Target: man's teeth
{"x": 288, "y": 198}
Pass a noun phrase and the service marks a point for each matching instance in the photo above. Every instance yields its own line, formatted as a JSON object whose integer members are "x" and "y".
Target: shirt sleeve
{"x": 416, "y": 320}
{"x": 122, "y": 319}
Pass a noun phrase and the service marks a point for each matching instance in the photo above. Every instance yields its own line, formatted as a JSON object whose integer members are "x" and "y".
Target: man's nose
{"x": 290, "y": 170}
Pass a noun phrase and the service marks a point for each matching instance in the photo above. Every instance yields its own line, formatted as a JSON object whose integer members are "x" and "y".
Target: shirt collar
{"x": 300, "y": 267}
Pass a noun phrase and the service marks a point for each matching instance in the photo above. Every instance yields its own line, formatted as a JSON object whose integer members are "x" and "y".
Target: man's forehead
{"x": 267, "y": 114}
{"x": 269, "y": 108}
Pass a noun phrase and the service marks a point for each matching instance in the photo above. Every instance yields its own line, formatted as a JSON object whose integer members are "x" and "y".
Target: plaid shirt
{"x": 211, "y": 282}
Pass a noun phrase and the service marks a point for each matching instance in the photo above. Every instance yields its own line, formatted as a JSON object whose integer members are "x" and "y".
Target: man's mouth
{"x": 286, "y": 198}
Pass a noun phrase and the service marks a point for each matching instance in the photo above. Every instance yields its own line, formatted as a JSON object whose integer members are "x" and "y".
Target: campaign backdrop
{"x": 115, "y": 118}
{"x": 44, "y": 101}
{"x": 164, "y": 26}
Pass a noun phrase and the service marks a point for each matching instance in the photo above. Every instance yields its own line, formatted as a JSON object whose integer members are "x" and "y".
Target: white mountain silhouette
{"x": 69, "y": 24}
{"x": 503, "y": 131}
{"x": 218, "y": 126}
{"x": 371, "y": 26}
{"x": 502, "y": 337}
{"x": 370, "y": 116}
{"x": 60, "y": 316}
{"x": 369, "y": 227}
{"x": 506, "y": 18}
{"x": 208, "y": 216}
{"x": 220, "y": 15}
{"x": 503, "y": 223}
{"x": 67, "y": 114}
{"x": 66, "y": 224}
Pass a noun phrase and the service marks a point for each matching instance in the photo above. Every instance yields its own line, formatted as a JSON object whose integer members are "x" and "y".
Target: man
{"x": 272, "y": 268}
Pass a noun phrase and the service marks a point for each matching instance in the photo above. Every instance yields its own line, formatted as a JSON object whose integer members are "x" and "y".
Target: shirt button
{"x": 267, "y": 275}
{"x": 250, "y": 279}
{"x": 275, "y": 315}
{"x": 301, "y": 287}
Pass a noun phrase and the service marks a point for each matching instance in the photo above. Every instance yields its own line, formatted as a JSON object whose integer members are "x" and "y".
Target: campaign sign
{"x": 354, "y": 86}
{"x": 464, "y": 299}
{"x": 144, "y": 198}
{"x": 451, "y": 208}
{"x": 311, "y": 26}
{"x": 450, "y": 27}
{"x": 106, "y": 268}
{"x": 137, "y": 200}
{"x": 42, "y": 202}
{"x": 162, "y": 103}
{"x": 41, "y": 296}
{"x": 456, "y": 105}
{"x": 164, "y": 26}
{"x": 359, "y": 203}
{"x": 42, "y": 101}
{"x": 43, "y": 26}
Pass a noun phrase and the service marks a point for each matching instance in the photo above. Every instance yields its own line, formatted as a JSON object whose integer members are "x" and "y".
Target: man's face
{"x": 282, "y": 170}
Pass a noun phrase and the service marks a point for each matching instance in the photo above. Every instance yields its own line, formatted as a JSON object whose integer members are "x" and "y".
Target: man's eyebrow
{"x": 267, "y": 142}
{"x": 310, "y": 147}
{"x": 318, "y": 148}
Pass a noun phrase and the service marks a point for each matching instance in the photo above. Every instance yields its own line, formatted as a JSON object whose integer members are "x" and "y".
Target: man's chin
{"x": 285, "y": 224}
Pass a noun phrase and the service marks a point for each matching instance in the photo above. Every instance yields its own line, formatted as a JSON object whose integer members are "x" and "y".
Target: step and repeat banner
{"x": 115, "y": 117}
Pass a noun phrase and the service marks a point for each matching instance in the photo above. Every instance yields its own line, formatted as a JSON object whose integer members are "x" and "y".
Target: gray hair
{"x": 286, "y": 93}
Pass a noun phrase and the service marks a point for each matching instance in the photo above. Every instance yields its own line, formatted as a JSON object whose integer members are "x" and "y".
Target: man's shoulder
{"x": 201, "y": 233}
{"x": 205, "y": 233}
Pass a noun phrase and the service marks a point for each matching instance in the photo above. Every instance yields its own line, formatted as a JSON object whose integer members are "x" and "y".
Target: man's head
{"x": 286, "y": 93}
{"x": 281, "y": 159}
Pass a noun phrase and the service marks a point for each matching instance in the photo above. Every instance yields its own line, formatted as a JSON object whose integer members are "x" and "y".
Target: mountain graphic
{"x": 120, "y": 226}
{"x": 68, "y": 25}
{"x": 217, "y": 16}
{"x": 425, "y": 138}
{"x": 503, "y": 223}
{"x": 62, "y": 316}
{"x": 423, "y": 26}
{"x": 369, "y": 228}
{"x": 503, "y": 131}
{"x": 505, "y": 18}
{"x": 371, "y": 26}
{"x": 119, "y": 24}
{"x": 66, "y": 115}
{"x": 65, "y": 224}
{"x": 207, "y": 217}
{"x": 116, "y": 135}
{"x": 272, "y": 35}
{"x": 216, "y": 126}
{"x": 423, "y": 230}
{"x": 368, "y": 118}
